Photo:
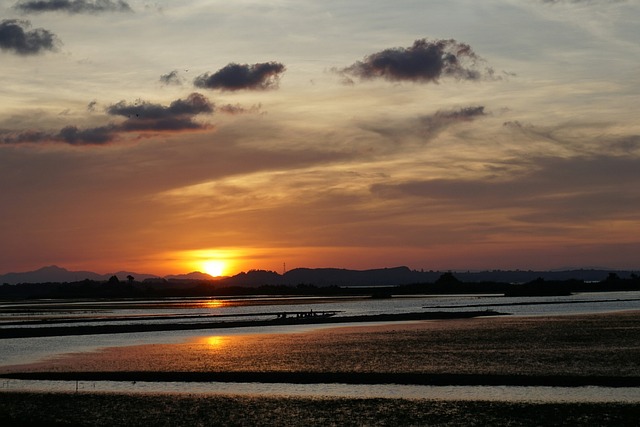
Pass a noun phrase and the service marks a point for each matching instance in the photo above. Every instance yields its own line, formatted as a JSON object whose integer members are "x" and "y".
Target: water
{"x": 185, "y": 310}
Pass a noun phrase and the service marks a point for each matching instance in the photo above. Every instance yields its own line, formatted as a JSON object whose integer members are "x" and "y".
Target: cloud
{"x": 194, "y": 104}
{"x": 424, "y": 62}
{"x": 15, "y": 37}
{"x": 146, "y": 116}
{"x": 553, "y": 190}
{"x": 233, "y": 77}
{"x": 92, "y": 136}
{"x": 425, "y": 127}
{"x": 141, "y": 116}
{"x": 238, "y": 109}
{"x": 73, "y": 6}
{"x": 171, "y": 78}
{"x": 24, "y": 137}
{"x": 464, "y": 114}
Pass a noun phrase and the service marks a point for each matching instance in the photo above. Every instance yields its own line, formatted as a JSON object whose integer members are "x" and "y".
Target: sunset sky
{"x": 155, "y": 136}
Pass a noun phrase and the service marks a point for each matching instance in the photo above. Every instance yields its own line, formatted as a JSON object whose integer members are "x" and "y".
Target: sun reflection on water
{"x": 215, "y": 341}
{"x": 216, "y": 303}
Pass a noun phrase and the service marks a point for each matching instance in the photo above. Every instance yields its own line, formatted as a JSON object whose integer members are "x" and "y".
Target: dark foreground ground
{"x": 63, "y": 409}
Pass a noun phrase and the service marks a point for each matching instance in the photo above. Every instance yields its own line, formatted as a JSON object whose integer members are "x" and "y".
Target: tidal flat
{"x": 597, "y": 345}
{"x": 595, "y": 349}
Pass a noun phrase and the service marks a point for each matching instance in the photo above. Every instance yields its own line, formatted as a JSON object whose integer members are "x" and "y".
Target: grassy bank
{"x": 60, "y": 409}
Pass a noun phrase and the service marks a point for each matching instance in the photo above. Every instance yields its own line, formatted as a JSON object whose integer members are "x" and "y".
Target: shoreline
{"x": 306, "y": 377}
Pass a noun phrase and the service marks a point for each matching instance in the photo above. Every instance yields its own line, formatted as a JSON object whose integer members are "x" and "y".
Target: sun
{"x": 214, "y": 267}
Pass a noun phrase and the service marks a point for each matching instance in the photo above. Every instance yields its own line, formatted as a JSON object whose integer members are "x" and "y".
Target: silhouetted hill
{"x": 319, "y": 277}
{"x": 403, "y": 275}
{"x": 55, "y": 274}
{"x": 342, "y": 277}
{"x": 194, "y": 275}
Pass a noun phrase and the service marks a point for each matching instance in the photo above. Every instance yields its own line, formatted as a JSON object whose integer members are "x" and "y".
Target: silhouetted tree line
{"x": 447, "y": 283}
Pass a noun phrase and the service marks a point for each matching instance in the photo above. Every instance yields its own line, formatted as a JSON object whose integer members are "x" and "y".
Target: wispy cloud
{"x": 73, "y": 6}
{"x": 424, "y": 127}
{"x": 581, "y": 1}
{"x": 555, "y": 190}
{"x": 16, "y": 37}
{"x": 234, "y": 77}
{"x": 424, "y": 62}
{"x": 171, "y": 78}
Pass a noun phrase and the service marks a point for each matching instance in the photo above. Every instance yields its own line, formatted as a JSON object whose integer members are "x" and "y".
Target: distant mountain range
{"x": 55, "y": 274}
{"x": 318, "y": 276}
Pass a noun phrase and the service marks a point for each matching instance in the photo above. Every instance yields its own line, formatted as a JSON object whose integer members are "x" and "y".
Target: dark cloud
{"x": 91, "y": 136}
{"x": 146, "y": 116}
{"x": 426, "y": 61}
{"x": 243, "y": 76}
{"x": 73, "y": 6}
{"x": 69, "y": 134}
{"x": 92, "y": 106}
{"x": 22, "y": 137}
{"x": 15, "y": 37}
{"x": 141, "y": 116}
{"x": 142, "y": 110}
{"x": 171, "y": 78}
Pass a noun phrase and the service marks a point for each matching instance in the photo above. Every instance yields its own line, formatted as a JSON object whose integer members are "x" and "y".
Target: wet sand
{"x": 583, "y": 348}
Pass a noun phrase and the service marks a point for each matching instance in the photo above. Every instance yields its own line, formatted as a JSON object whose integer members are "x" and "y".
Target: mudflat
{"x": 600, "y": 349}
{"x": 586, "y": 346}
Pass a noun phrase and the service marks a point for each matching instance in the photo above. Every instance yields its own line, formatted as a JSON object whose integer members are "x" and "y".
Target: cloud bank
{"x": 17, "y": 38}
{"x": 73, "y": 6}
{"x": 234, "y": 77}
{"x": 424, "y": 62}
{"x": 141, "y": 116}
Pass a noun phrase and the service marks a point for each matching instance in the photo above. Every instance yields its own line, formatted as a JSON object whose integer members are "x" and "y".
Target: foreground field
{"x": 31, "y": 409}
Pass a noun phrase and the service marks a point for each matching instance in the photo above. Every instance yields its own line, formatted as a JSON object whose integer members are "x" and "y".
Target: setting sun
{"x": 214, "y": 267}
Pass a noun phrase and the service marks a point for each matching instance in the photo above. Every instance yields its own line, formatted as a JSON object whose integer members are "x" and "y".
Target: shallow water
{"x": 490, "y": 393}
{"x": 28, "y": 350}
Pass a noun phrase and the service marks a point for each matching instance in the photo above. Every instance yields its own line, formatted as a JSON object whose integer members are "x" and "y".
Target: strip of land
{"x": 287, "y": 319}
{"x": 336, "y": 378}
